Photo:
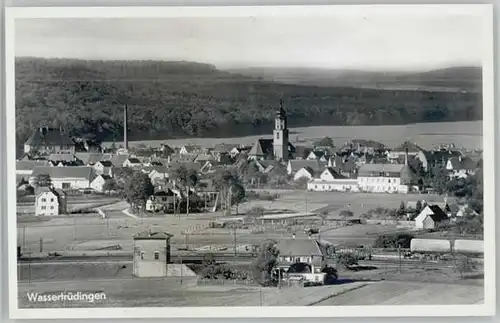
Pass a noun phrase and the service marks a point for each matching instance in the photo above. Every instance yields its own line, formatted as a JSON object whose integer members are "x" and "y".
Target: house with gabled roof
{"x": 307, "y": 251}
{"x": 390, "y": 178}
{"x": 104, "y": 167}
{"x": 132, "y": 162}
{"x": 46, "y": 140}
{"x": 319, "y": 155}
{"x": 190, "y": 150}
{"x": 461, "y": 167}
{"x": 295, "y": 165}
{"x": 50, "y": 202}
{"x": 99, "y": 182}
{"x": 67, "y": 178}
{"x": 304, "y": 173}
{"x": 25, "y": 168}
{"x": 430, "y": 217}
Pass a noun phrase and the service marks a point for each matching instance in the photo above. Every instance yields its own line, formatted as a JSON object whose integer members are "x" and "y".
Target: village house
{"x": 330, "y": 180}
{"x": 99, "y": 182}
{"x": 66, "y": 178}
{"x": 47, "y": 140}
{"x": 306, "y": 251}
{"x": 318, "y": 155}
{"x": 430, "y": 217}
{"x": 304, "y": 173}
{"x": 461, "y": 167}
{"x": 151, "y": 254}
{"x": 158, "y": 174}
{"x": 25, "y": 168}
{"x": 160, "y": 201}
{"x": 50, "y": 202}
{"x": 389, "y": 178}
{"x": 190, "y": 150}
{"x": 90, "y": 159}
{"x": 104, "y": 167}
{"x": 295, "y": 165}
{"x": 132, "y": 162}
{"x": 118, "y": 160}
{"x": 407, "y": 148}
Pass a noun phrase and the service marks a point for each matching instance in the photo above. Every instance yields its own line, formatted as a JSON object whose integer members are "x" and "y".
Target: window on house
{"x": 51, "y": 207}
{"x": 157, "y": 255}
{"x": 277, "y": 135}
{"x": 52, "y": 199}
{"x": 43, "y": 207}
{"x": 44, "y": 200}
{"x": 66, "y": 186}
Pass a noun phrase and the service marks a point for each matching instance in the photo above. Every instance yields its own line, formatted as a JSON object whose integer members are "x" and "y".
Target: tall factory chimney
{"x": 125, "y": 128}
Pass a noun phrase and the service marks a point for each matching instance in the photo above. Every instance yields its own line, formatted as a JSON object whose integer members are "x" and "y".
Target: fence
{"x": 208, "y": 281}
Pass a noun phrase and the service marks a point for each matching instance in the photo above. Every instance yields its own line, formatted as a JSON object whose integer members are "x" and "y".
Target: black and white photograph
{"x": 250, "y": 161}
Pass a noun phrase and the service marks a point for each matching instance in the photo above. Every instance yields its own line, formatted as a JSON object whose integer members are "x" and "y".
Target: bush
{"x": 346, "y": 260}
{"x": 393, "y": 240}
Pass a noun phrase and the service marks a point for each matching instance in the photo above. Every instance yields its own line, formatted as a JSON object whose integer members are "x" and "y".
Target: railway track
{"x": 229, "y": 257}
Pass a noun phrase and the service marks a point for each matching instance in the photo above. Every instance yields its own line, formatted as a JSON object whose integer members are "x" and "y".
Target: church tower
{"x": 280, "y": 135}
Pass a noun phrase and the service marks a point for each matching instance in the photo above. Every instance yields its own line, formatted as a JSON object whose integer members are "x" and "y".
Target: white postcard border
{"x": 486, "y": 309}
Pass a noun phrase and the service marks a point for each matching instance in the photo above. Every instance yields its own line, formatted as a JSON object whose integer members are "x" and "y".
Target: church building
{"x": 279, "y": 148}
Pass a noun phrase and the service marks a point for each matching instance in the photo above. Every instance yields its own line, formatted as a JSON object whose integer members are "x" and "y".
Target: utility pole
{"x": 399, "y": 255}
{"x": 181, "y": 266}
{"x": 24, "y": 237}
{"x": 41, "y": 244}
{"x": 234, "y": 233}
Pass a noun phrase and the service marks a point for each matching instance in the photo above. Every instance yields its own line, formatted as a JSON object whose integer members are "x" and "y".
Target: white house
{"x": 336, "y": 185}
{"x": 190, "y": 150}
{"x": 98, "y": 182}
{"x": 389, "y": 178}
{"x": 304, "y": 172}
{"x": 317, "y": 155}
{"x": 50, "y": 202}
{"x": 104, "y": 167}
{"x": 430, "y": 217}
{"x": 67, "y": 178}
{"x": 132, "y": 162}
{"x": 158, "y": 173}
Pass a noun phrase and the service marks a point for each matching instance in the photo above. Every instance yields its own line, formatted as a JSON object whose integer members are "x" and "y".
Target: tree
{"x": 325, "y": 142}
{"x": 187, "y": 178}
{"x": 418, "y": 207}
{"x": 138, "y": 189}
{"x": 224, "y": 181}
{"x": 109, "y": 185}
{"x": 439, "y": 179}
{"x": 263, "y": 265}
{"x": 238, "y": 194}
{"x": 402, "y": 209}
{"x": 346, "y": 214}
{"x": 42, "y": 180}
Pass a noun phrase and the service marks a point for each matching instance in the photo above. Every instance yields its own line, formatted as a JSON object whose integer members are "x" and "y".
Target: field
{"x": 171, "y": 292}
{"x": 89, "y": 232}
{"x": 405, "y": 293}
{"x": 467, "y": 134}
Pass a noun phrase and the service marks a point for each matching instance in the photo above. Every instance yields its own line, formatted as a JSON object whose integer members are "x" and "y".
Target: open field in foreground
{"x": 165, "y": 292}
{"x": 405, "y": 293}
{"x": 90, "y": 232}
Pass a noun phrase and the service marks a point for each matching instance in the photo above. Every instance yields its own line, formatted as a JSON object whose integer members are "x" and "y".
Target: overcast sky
{"x": 374, "y": 42}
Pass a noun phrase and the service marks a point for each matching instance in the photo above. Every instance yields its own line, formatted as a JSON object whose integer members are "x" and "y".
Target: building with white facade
{"x": 50, "y": 202}
{"x": 66, "y": 178}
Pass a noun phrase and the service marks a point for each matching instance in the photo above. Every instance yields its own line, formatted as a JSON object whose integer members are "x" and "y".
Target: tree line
{"x": 182, "y": 99}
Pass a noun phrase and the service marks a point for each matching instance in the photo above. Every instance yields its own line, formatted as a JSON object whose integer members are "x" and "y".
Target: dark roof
{"x": 299, "y": 247}
{"x": 223, "y": 148}
{"x": 106, "y": 163}
{"x": 49, "y": 137}
{"x": 437, "y": 213}
{"x": 334, "y": 173}
{"x": 134, "y": 160}
{"x": 374, "y": 169}
{"x": 315, "y": 165}
{"x": 407, "y": 175}
{"x": 30, "y": 164}
{"x": 468, "y": 163}
{"x": 262, "y": 147}
{"x": 146, "y": 235}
